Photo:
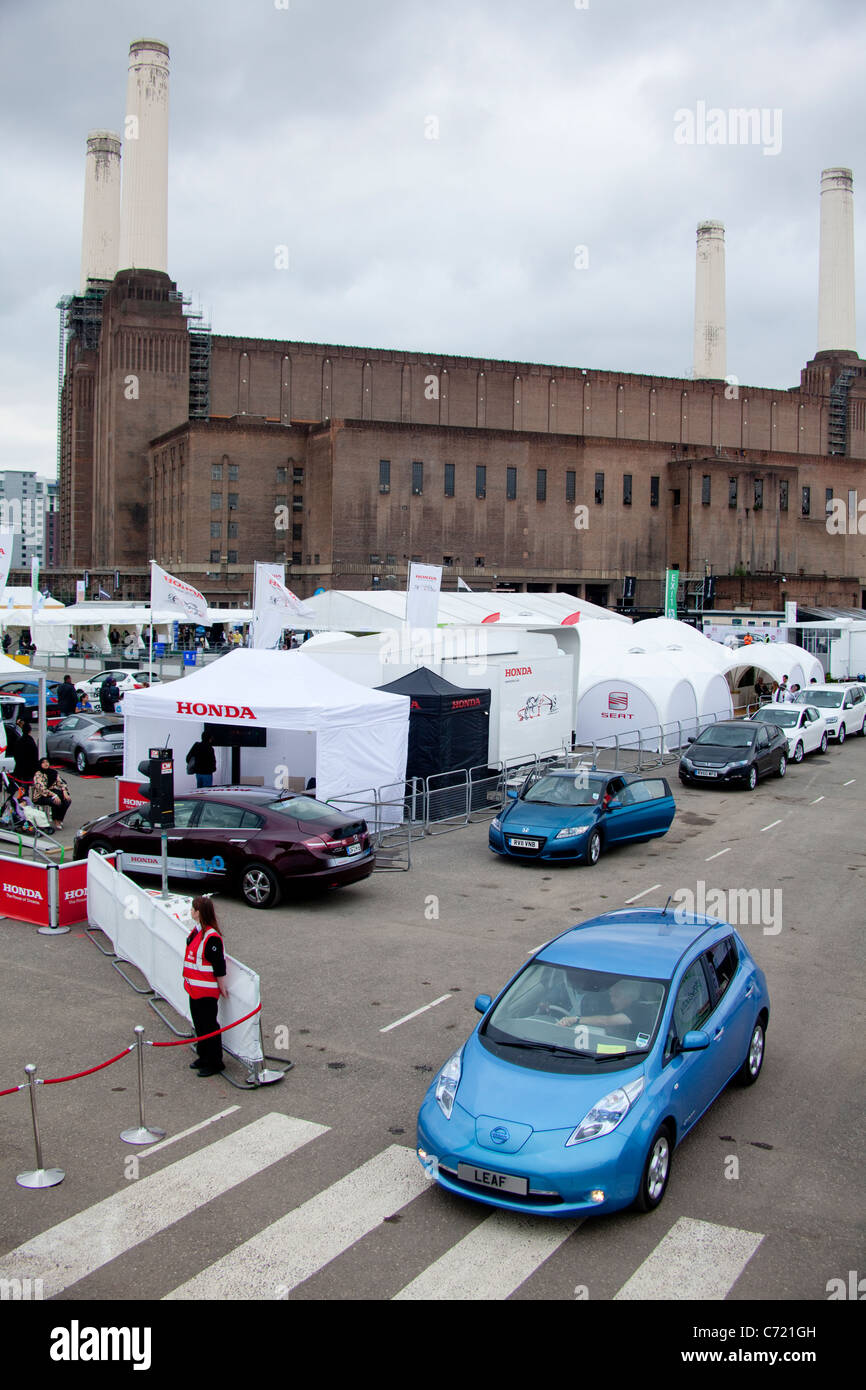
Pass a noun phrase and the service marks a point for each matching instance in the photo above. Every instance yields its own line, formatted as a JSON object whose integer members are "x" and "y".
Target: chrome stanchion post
{"x": 144, "y": 1134}
{"x": 39, "y": 1177}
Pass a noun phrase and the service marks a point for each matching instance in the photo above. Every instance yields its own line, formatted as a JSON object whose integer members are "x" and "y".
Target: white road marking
{"x": 492, "y": 1261}
{"x": 286, "y": 1253}
{"x": 643, "y": 894}
{"x": 851, "y": 783}
{"x": 717, "y": 855}
{"x": 815, "y": 802}
{"x": 696, "y": 1259}
{"x": 423, "y": 1010}
{"x": 770, "y": 826}
{"x": 164, "y": 1143}
{"x": 75, "y": 1248}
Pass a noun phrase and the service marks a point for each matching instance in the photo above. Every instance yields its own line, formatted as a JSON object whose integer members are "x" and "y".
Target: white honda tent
{"x": 316, "y": 724}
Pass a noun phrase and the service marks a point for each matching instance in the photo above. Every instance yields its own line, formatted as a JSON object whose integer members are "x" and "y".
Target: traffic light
{"x": 158, "y": 790}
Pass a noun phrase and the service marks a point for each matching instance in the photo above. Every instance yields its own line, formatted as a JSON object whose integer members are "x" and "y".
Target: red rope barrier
{"x": 13, "y": 1089}
{"x": 180, "y": 1042}
{"x": 55, "y": 1080}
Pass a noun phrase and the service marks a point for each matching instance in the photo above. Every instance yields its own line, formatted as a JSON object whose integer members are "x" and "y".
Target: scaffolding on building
{"x": 199, "y": 357}
{"x": 837, "y": 413}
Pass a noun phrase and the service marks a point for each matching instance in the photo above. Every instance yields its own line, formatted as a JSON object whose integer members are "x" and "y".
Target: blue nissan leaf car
{"x": 595, "y": 1061}
{"x": 574, "y": 813}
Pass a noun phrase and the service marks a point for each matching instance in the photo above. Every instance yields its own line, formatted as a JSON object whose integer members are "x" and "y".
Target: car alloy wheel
{"x": 754, "y": 1060}
{"x": 260, "y": 886}
{"x": 593, "y": 848}
{"x": 798, "y": 753}
{"x": 783, "y": 765}
{"x": 823, "y": 748}
{"x": 841, "y": 734}
{"x": 656, "y": 1173}
{"x": 752, "y": 779}
{"x": 102, "y": 847}
{"x": 81, "y": 761}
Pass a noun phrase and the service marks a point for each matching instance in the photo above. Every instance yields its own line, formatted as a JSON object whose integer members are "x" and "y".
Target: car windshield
{"x": 561, "y": 1009}
{"x": 302, "y": 808}
{"x": 785, "y": 718}
{"x": 726, "y": 736}
{"x": 825, "y": 699}
{"x": 566, "y": 789}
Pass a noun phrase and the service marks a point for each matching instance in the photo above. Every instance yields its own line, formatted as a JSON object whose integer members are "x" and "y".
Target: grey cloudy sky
{"x": 309, "y": 126}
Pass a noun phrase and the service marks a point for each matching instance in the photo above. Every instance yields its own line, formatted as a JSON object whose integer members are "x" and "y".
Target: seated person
{"x": 607, "y": 1008}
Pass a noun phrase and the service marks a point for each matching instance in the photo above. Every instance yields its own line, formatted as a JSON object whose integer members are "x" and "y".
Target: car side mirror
{"x": 695, "y": 1041}
{"x": 511, "y": 793}
{"x": 613, "y": 804}
{"x": 482, "y": 1003}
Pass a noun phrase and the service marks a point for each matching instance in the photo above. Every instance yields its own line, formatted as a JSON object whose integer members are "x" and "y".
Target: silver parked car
{"x": 87, "y": 741}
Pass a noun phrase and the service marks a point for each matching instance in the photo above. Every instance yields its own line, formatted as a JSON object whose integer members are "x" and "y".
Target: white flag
{"x": 422, "y": 595}
{"x": 36, "y": 599}
{"x": 461, "y": 584}
{"x": 7, "y": 538}
{"x": 276, "y": 608}
{"x": 171, "y": 593}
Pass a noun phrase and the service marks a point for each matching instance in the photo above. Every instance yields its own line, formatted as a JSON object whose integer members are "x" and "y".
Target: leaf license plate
{"x": 497, "y": 1182}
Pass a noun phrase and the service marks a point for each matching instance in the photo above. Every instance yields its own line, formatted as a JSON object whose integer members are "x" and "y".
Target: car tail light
{"x": 314, "y": 844}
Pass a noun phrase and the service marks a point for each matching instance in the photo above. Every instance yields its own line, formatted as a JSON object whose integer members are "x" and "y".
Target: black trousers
{"x": 204, "y": 1020}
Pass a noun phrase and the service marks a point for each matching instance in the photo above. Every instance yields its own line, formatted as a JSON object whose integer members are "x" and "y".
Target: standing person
{"x": 109, "y": 694}
{"x": 204, "y": 970}
{"x": 7, "y": 642}
{"x": 51, "y": 792}
{"x": 782, "y": 692}
{"x": 67, "y": 696}
{"x": 25, "y": 753}
{"x": 201, "y": 759}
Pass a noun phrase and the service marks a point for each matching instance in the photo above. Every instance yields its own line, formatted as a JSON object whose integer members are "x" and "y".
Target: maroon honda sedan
{"x": 247, "y": 839}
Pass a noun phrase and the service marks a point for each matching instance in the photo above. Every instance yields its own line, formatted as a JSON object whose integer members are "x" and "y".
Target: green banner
{"x": 672, "y": 584}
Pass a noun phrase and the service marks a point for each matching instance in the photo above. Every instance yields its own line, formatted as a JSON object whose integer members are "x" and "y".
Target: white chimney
{"x": 837, "y": 327}
{"x": 144, "y": 203}
{"x": 101, "y": 231}
{"x": 710, "y": 333}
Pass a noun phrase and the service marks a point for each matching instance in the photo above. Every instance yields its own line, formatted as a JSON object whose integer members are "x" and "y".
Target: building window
{"x": 282, "y": 474}
{"x": 233, "y": 501}
{"x": 511, "y": 483}
{"x": 297, "y": 504}
{"x": 417, "y": 479}
{"x": 570, "y": 484}
{"x": 448, "y": 560}
{"x": 389, "y": 559}
{"x": 297, "y": 558}
{"x": 214, "y": 557}
{"x": 449, "y": 480}
{"x": 479, "y": 562}
{"x": 676, "y": 493}
{"x": 759, "y": 494}
{"x": 654, "y": 490}
{"x": 315, "y": 559}
{"x": 233, "y": 472}
{"x": 233, "y": 530}
{"x": 807, "y": 501}
{"x": 297, "y": 531}
{"x": 233, "y": 557}
{"x": 732, "y": 492}
{"x": 298, "y": 477}
{"x": 541, "y": 485}
{"x": 706, "y": 485}
{"x": 828, "y": 501}
{"x": 216, "y": 501}
{"x": 216, "y": 472}
{"x": 384, "y": 475}
{"x": 626, "y": 489}
{"x": 599, "y": 489}
{"x": 216, "y": 530}
{"x": 480, "y": 480}
{"x": 374, "y": 560}
{"x": 783, "y": 495}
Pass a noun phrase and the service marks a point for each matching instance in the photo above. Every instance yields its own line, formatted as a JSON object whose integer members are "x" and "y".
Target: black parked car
{"x": 735, "y": 750}
{"x": 248, "y": 839}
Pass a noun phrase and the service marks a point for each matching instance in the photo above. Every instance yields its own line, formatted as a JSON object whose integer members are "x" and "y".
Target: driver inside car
{"x": 608, "y": 1008}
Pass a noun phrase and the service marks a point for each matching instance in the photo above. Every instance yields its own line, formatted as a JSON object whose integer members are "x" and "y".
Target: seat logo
{"x": 617, "y": 699}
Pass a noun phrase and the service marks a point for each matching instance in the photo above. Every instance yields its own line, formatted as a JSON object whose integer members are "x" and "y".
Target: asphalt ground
{"x": 337, "y": 970}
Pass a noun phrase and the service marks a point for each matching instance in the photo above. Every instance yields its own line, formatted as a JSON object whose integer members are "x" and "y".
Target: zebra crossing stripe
{"x": 696, "y": 1259}
{"x": 75, "y": 1248}
{"x": 492, "y": 1261}
{"x": 283, "y": 1255}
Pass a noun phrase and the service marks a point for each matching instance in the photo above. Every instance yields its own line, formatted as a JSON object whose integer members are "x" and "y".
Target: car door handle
{"x": 238, "y": 842}
{"x": 750, "y": 991}
{"x": 718, "y": 1033}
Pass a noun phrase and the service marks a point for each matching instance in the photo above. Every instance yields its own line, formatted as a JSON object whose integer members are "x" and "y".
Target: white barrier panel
{"x": 143, "y": 932}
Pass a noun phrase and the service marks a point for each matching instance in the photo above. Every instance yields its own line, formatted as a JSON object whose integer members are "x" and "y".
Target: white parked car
{"x": 126, "y": 680}
{"x": 843, "y": 706}
{"x": 804, "y": 726}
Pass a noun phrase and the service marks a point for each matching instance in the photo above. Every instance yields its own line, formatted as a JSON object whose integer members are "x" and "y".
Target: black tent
{"x": 448, "y": 725}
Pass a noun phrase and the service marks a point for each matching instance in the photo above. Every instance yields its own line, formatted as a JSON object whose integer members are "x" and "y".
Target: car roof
{"x": 252, "y": 795}
{"x": 648, "y": 941}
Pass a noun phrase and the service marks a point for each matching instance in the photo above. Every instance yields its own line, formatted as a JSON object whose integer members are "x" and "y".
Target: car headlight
{"x": 606, "y": 1114}
{"x": 570, "y": 831}
{"x": 686, "y": 762}
{"x": 447, "y": 1082}
{"x": 496, "y": 823}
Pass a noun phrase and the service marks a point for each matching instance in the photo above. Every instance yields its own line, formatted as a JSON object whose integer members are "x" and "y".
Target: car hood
{"x": 543, "y": 1100}
{"x": 543, "y": 819}
{"x": 716, "y": 756}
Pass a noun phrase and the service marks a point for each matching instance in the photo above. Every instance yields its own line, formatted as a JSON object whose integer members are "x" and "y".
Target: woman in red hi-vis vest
{"x": 204, "y": 969}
